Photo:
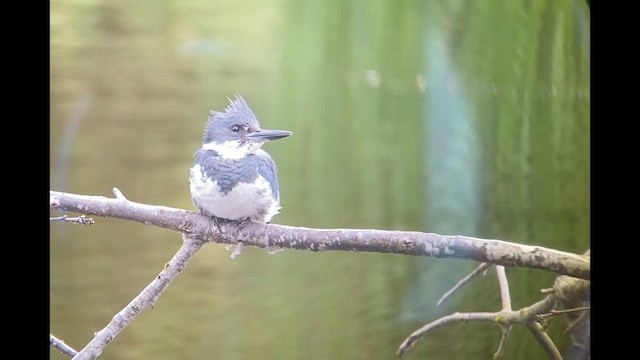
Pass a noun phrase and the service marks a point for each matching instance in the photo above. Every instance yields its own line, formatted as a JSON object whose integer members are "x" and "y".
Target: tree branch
{"x": 60, "y": 345}
{"x": 274, "y": 236}
{"x": 198, "y": 229}
{"x": 143, "y": 301}
{"x": 505, "y": 294}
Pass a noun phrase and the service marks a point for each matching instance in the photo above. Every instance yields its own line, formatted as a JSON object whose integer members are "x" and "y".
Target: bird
{"x": 231, "y": 177}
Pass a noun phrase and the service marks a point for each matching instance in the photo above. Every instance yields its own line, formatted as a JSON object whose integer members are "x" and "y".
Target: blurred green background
{"x": 455, "y": 117}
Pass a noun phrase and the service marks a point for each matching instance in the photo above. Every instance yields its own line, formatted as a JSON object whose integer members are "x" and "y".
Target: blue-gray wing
{"x": 267, "y": 169}
{"x": 226, "y": 173}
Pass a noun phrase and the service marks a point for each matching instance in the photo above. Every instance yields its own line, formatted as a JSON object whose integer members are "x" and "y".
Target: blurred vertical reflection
{"x": 453, "y": 117}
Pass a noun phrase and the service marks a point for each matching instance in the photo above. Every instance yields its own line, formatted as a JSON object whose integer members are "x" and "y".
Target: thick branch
{"x": 272, "y": 236}
{"x": 144, "y": 300}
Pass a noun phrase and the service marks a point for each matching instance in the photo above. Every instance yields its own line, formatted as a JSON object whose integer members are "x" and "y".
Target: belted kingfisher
{"x": 232, "y": 177}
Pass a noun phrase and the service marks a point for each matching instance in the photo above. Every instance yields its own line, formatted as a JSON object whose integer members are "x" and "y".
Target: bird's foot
{"x": 216, "y": 222}
{"x": 242, "y": 224}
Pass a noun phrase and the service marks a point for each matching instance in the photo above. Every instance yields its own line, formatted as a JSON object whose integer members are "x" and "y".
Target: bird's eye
{"x": 235, "y": 128}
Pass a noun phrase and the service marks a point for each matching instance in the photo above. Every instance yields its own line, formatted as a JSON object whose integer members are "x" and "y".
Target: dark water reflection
{"x": 451, "y": 117}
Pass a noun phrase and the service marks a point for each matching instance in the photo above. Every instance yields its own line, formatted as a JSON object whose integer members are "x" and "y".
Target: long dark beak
{"x": 268, "y": 135}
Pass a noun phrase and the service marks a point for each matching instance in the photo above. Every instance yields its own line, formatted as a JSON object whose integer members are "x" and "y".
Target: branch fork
{"x": 506, "y": 318}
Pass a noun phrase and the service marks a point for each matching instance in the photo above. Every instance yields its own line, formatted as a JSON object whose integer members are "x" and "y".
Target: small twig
{"x": 481, "y": 269}
{"x": 504, "y": 288}
{"x": 506, "y": 330}
{"x": 544, "y": 340}
{"x": 77, "y": 220}
{"x": 563, "y": 311}
{"x": 118, "y": 194}
{"x": 60, "y": 345}
{"x": 236, "y": 252}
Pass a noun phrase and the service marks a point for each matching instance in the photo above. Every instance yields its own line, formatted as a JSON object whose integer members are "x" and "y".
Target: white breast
{"x": 253, "y": 200}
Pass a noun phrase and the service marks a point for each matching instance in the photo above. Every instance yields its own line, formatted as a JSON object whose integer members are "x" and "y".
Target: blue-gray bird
{"x": 232, "y": 177}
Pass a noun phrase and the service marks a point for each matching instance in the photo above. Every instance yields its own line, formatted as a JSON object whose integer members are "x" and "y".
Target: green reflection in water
{"x": 452, "y": 117}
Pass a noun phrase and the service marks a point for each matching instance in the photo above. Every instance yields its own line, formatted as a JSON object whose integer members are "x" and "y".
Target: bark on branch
{"x": 272, "y": 236}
